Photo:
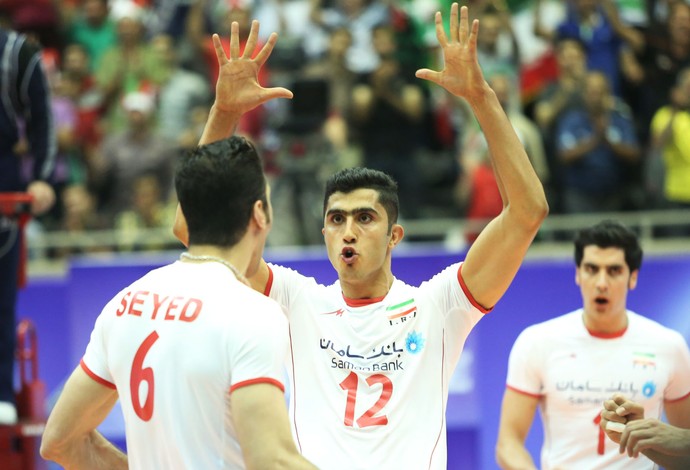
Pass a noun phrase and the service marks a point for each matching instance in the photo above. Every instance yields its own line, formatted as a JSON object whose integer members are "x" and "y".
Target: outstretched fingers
{"x": 431, "y": 75}
{"x": 234, "y": 40}
{"x": 252, "y": 40}
{"x": 220, "y": 52}
{"x": 265, "y": 51}
{"x": 440, "y": 32}
{"x": 454, "y": 22}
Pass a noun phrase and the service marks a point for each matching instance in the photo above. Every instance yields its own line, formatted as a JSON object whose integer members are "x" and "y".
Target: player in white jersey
{"x": 195, "y": 356}
{"x": 371, "y": 357}
{"x": 568, "y": 366}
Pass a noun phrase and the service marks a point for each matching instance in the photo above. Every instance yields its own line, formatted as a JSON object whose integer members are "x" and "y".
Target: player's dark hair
{"x": 350, "y": 179}
{"x": 606, "y": 234}
{"x": 217, "y": 186}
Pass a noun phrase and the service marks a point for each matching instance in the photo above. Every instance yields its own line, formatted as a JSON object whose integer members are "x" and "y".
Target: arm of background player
{"x": 495, "y": 257}
{"x": 517, "y": 415}
{"x": 263, "y": 428}
{"x": 70, "y": 438}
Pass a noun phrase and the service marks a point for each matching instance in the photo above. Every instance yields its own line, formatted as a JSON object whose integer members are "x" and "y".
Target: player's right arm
{"x": 517, "y": 415}
{"x": 237, "y": 92}
{"x": 70, "y": 437}
{"x": 263, "y": 429}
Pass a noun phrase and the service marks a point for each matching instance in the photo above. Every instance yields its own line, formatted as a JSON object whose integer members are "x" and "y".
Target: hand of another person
{"x": 652, "y": 434}
{"x": 619, "y": 409}
{"x": 43, "y": 197}
{"x": 462, "y": 75}
{"x": 237, "y": 89}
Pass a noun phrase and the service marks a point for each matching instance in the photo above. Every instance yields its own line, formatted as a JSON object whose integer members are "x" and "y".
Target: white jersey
{"x": 574, "y": 371}
{"x": 370, "y": 377}
{"x": 175, "y": 344}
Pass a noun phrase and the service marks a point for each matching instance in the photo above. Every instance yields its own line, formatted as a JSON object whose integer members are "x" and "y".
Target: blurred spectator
{"x": 340, "y": 81}
{"x": 591, "y": 23}
{"x": 129, "y": 153}
{"x": 129, "y": 66}
{"x": 565, "y": 93}
{"x": 37, "y": 18}
{"x": 148, "y": 210}
{"x": 477, "y": 190}
{"x": 79, "y": 217}
{"x": 87, "y": 23}
{"x": 653, "y": 70}
{"x": 181, "y": 91}
{"x": 594, "y": 144}
{"x": 386, "y": 112}
{"x": 360, "y": 17}
{"x": 671, "y": 136}
{"x": 526, "y": 130}
{"x": 88, "y": 100}
{"x": 497, "y": 48}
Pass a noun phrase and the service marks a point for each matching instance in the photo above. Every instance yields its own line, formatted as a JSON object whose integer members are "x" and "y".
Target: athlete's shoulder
{"x": 647, "y": 326}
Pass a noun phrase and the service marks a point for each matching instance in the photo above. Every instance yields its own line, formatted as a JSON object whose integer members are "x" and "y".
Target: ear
{"x": 577, "y": 275}
{"x": 259, "y": 215}
{"x": 632, "y": 282}
{"x": 397, "y": 234}
{"x": 180, "y": 229}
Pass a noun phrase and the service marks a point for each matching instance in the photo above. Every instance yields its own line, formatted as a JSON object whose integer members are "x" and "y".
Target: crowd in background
{"x": 598, "y": 92}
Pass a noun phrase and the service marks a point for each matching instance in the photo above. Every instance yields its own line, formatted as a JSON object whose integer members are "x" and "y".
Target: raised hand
{"x": 237, "y": 89}
{"x": 461, "y": 75}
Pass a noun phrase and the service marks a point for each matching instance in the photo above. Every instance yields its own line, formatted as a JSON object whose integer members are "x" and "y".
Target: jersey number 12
{"x": 369, "y": 417}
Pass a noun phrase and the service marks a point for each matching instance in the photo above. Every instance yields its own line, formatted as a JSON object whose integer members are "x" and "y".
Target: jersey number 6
{"x": 141, "y": 374}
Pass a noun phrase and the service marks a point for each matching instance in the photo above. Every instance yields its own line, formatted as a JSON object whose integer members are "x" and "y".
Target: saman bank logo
{"x": 648, "y": 389}
{"x": 414, "y": 343}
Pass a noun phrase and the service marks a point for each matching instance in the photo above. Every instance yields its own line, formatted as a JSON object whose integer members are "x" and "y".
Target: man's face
{"x": 356, "y": 234}
{"x": 604, "y": 279}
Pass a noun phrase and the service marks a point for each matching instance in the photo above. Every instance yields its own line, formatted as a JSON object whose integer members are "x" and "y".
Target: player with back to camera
{"x": 371, "y": 356}
{"x": 195, "y": 356}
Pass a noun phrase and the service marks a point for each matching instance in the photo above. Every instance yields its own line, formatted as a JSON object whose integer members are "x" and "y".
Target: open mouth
{"x": 601, "y": 301}
{"x": 348, "y": 254}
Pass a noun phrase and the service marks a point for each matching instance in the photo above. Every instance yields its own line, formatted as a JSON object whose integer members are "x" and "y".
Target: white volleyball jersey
{"x": 175, "y": 344}
{"x": 370, "y": 377}
{"x": 574, "y": 372}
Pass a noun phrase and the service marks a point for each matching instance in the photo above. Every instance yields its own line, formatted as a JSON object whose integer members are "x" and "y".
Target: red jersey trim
{"x": 362, "y": 302}
{"x": 522, "y": 392}
{"x": 675, "y": 400}
{"x": 469, "y": 294}
{"x": 95, "y": 377}
{"x": 269, "y": 282}
{"x": 615, "y": 334}
{"x": 260, "y": 380}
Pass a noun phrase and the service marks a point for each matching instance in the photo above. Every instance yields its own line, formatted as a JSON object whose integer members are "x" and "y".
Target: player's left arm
{"x": 70, "y": 438}
{"x": 496, "y": 255}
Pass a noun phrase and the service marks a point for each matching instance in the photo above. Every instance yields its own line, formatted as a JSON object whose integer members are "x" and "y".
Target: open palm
{"x": 461, "y": 75}
{"x": 237, "y": 89}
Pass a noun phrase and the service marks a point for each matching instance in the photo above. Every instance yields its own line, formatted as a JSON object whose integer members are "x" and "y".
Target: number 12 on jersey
{"x": 369, "y": 418}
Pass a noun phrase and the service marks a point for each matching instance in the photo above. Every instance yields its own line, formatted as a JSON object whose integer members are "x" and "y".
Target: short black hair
{"x": 217, "y": 186}
{"x": 610, "y": 233}
{"x": 350, "y": 179}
